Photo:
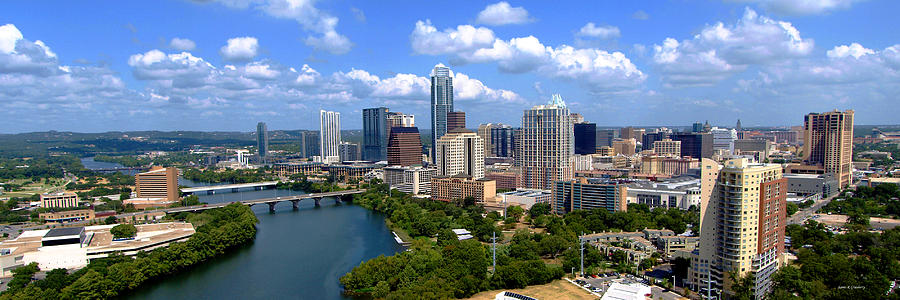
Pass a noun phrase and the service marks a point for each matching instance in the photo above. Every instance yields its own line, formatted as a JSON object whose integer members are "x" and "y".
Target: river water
{"x": 296, "y": 255}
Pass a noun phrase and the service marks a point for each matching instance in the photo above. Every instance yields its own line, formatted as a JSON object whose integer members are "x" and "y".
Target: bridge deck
{"x": 228, "y": 186}
{"x": 250, "y": 202}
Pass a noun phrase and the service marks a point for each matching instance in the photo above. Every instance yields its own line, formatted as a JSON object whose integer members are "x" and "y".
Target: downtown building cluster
{"x": 739, "y": 179}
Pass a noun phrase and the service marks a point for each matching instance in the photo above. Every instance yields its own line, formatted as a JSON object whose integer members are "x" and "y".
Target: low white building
{"x": 413, "y": 180}
{"x": 526, "y": 197}
{"x": 680, "y": 192}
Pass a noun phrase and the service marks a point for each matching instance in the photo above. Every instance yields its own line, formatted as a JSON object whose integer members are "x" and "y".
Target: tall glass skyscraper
{"x": 375, "y": 133}
{"x": 262, "y": 140}
{"x": 441, "y": 102}
{"x": 330, "y": 136}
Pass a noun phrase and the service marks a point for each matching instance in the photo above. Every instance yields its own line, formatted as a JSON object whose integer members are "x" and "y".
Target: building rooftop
{"x": 527, "y": 193}
{"x": 57, "y": 232}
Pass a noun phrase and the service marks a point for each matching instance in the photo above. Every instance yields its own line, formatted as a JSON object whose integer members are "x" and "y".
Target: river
{"x": 296, "y": 255}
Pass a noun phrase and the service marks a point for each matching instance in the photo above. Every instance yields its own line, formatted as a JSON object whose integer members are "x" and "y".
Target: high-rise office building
{"x": 398, "y": 119}
{"x": 460, "y": 151}
{"x": 329, "y": 136}
{"x": 262, "y": 141}
{"x": 309, "y": 143}
{"x": 693, "y": 144}
{"x": 547, "y": 144}
{"x": 518, "y": 148}
{"x": 625, "y": 146}
{"x": 576, "y": 118}
{"x": 404, "y": 147}
{"x": 605, "y": 137}
{"x": 723, "y": 139}
{"x": 828, "y": 143}
{"x": 632, "y": 133}
{"x": 456, "y": 120}
{"x": 667, "y": 147}
{"x": 441, "y": 102}
{"x": 585, "y": 138}
{"x": 349, "y": 151}
{"x": 484, "y": 131}
{"x": 502, "y": 141}
{"x": 742, "y": 222}
{"x": 697, "y": 127}
{"x": 375, "y": 133}
{"x": 651, "y": 137}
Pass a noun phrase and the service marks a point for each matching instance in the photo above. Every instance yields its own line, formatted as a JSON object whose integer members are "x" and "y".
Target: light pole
{"x": 581, "y": 241}
{"x": 494, "y": 246}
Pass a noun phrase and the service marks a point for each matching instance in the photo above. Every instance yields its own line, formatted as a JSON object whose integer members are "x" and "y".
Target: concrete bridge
{"x": 233, "y": 187}
{"x": 271, "y": 202}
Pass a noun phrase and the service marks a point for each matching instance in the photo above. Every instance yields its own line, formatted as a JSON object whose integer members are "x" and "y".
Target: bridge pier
{"x": 317, "y": 200}
{"x": 272, "y": 207}
{"x": 235, "y": 190}
{"x": 210, "y": 192}
{"x": 295, "y": 204}
{"x": 257, "y": 188}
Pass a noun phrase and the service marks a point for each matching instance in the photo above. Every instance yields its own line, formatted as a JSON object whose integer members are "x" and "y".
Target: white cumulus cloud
{"x": 802, "y": 7}
{"x": 240, "y": 49}
{"x": 720, "y": 50}
{"x": 855, "y": 49}
{"x": 501, "y": 13}
{"x": 182, "y": 44}
{"x": 466, "y": 44}
{"x": 323, "y": 25}
{"x": 602, "y": 32}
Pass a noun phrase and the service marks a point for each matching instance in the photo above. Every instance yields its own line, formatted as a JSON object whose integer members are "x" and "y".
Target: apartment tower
{"x": 742, "y": 221}
{"x": 547, "y": 144}
{"x": 828, "y": 143}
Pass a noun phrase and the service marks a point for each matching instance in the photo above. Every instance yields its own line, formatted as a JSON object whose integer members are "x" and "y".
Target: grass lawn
{"x": 34, "y": 187}
{"x": 400, "y": 232}
{"x": 559, "y": 289}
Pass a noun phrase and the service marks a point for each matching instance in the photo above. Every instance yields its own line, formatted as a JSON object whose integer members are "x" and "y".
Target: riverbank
{"x": 218, "y": 231}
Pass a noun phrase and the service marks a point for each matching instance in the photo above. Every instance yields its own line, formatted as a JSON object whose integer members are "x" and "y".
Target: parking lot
{"x": 600, "y": 282}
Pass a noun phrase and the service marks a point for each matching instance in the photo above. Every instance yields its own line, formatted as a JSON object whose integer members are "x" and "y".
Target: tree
{"x": 539, "y": 209}
{"x": 742, "y": 287}
{"x": 111, "y": 220}
{"x": 122, "y": 231}
{"x": 792, "y": 208}
{"x": 515, "y": 212}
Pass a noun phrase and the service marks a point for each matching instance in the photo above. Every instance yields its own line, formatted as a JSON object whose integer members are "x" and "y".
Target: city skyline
{"x": 764, "y": 62}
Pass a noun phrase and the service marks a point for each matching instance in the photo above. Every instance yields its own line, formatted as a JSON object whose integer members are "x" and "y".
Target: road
{"x": 800, "y": 216}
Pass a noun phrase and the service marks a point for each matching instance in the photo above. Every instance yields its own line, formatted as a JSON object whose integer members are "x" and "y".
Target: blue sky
{"x": 225, "y": 65}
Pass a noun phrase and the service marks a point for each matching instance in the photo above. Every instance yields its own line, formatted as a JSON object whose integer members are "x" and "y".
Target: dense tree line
{"x": 227, "y": 175}
{"x": 425, "y": 218}
{"x": 855, "y": 265}
{"x": 305, "y": 185}
{"x": 882, "y": 200}
{"x": 449, "y": 268}
{"x": 38, "y": 168}
{"x": 217, "y": 231}
{"x": 180, "y": 158}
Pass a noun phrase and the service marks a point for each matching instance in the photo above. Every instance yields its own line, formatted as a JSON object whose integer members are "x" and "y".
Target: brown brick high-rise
{"x": 404, "y": 147}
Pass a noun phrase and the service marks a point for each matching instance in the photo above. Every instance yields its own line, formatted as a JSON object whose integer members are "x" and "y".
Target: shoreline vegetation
{"x": 217, "y": 231}
{"x": 438, "y": 266}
